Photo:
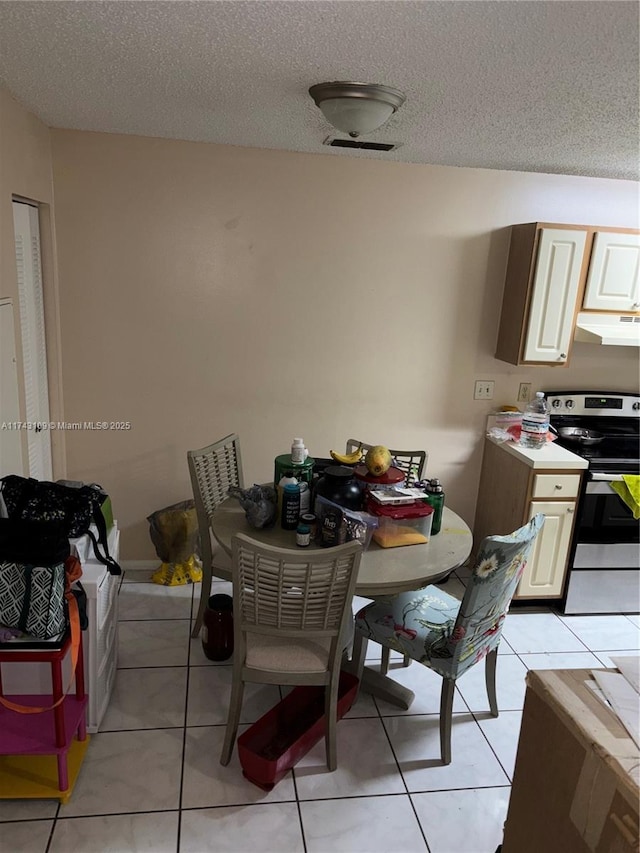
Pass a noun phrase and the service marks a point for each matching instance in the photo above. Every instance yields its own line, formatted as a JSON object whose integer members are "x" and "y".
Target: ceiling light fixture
{"x": 356, "y": 108}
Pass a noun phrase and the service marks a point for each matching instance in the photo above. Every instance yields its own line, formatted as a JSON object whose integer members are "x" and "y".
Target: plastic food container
{"x": 503, "y": 420}
{"x": 401, "y": 525}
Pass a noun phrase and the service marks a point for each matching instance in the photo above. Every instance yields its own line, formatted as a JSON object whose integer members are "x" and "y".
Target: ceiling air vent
{"x": 336, "y": 142}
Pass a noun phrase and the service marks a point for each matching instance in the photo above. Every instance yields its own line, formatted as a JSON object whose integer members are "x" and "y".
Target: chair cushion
{"x": 419, "y": 624}
{"x": 287, "y": 654}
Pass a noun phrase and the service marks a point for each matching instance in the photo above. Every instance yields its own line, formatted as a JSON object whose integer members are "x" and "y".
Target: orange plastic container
{"x": 280, "y": 738}
{"x": 401, "y": 525}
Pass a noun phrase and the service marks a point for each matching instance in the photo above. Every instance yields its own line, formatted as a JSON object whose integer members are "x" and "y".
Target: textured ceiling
{"x": 525, "y": 84}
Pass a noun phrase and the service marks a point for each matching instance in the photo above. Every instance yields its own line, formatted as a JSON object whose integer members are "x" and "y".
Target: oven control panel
{"x": 593, "y": 403}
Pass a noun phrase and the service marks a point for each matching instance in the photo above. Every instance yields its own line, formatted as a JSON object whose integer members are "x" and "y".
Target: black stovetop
{"x": 618, "y": 452}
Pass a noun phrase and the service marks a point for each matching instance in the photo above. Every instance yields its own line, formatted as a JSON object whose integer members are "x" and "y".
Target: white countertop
{"x": 550, "y": 456}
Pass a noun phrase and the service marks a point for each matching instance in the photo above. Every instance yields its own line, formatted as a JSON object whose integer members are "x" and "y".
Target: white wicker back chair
{"x": 213, "y": 470}
{"x": 292, "y": 619}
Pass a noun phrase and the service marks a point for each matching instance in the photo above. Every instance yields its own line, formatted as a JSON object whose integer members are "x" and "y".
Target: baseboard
{"x": 140, "y": 565}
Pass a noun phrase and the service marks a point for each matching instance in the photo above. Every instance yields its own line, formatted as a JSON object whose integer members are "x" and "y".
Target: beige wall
{"x": 209, "y": 289}
{"x": 26, "y": 171}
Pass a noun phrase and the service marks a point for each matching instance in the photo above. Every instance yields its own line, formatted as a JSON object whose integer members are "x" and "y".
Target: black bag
{"x": 75, "y": 508}
{"x": 32, "y": 576}
{"x": 81, "y": 597}
{"x": 22, "y": 540}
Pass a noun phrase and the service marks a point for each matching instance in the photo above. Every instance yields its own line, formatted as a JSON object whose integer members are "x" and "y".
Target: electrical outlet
{"x": 524, "y": 392}
{"x": 483, "y": 390}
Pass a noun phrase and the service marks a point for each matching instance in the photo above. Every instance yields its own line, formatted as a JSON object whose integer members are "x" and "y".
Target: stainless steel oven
{"x": 604, "y": 563}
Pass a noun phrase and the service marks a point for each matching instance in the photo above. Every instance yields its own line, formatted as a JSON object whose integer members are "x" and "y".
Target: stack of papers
{"x": 397, "y": 496}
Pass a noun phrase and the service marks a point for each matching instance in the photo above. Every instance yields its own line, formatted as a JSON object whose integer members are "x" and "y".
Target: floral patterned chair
{"x": 448, "y": 635}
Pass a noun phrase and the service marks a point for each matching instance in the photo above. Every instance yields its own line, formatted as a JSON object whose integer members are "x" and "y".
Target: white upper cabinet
{"x": 555, "y": 287}
{"x": 553, "y": 272}
{"x": 613, "y": 282}
{"x": 544, "y": 272}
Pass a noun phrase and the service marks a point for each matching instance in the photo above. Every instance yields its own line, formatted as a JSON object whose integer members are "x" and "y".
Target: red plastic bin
{"x": 279, "y": 739}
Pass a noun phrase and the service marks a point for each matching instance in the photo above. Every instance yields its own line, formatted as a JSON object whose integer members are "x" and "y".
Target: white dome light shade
{"x": 356, "y": 108}
{"x": 355, "y": 116}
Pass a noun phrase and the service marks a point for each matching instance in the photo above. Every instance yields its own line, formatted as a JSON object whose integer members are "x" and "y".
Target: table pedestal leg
{"x": 386, "y": 688}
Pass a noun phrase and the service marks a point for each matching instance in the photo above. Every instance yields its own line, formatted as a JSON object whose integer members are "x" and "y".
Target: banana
{"x": 347, "y": 458}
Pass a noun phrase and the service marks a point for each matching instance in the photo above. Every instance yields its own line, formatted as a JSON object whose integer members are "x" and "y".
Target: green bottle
{"x": 435, "y": 498}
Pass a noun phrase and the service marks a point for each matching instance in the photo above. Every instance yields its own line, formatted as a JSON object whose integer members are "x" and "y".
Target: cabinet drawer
{"x": 556, "y": 486}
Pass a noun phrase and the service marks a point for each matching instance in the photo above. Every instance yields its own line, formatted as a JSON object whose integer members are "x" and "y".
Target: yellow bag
{"x": 174, "y": 533}
{"x": 178, "y": 574}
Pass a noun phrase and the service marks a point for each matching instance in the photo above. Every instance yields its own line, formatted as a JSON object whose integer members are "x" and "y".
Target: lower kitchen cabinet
{"x": 545, "y": 572}
{"x": 515, "y": 485}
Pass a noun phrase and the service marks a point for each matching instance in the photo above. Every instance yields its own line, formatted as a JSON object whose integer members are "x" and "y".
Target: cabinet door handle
{"x": 563, "y": 355}
{"x": 569, "y": 509}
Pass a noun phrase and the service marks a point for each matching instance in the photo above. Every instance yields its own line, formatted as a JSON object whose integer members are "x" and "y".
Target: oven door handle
{"x": 600, "y": 486}
{"x": 605, "y": 478}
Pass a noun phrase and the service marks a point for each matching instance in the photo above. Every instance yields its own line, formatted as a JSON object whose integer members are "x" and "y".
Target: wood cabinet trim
{"x": 523, "y": 248}
{"x": 608, "y": 229}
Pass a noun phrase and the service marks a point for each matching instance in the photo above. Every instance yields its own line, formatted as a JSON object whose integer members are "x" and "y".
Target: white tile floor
{"x": 151, "y": 779}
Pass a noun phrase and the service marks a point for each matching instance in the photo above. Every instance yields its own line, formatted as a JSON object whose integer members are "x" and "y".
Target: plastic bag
{"x": 512, "y": 433}
{"x": 174, "y": 533}
{"x": 178, "y": 574}
{"x": 260, "y": 504}
{"x": 500, "y": 434}
{"x": 336, "y": 525}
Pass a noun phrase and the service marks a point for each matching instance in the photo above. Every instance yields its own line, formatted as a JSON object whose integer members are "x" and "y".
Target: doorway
{"x": 34, "y": 344}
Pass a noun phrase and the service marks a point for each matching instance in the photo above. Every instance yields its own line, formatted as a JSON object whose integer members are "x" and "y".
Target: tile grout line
{"x": 404, "y": 781}
{"x": 185, "y": 718}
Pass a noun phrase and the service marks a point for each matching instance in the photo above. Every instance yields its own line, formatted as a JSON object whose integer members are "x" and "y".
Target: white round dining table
{"x": 383, "y": 571}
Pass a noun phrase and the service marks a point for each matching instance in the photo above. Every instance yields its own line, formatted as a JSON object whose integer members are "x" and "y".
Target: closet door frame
{"x": 11, "y": 455}
{"x": 51, "y": 309}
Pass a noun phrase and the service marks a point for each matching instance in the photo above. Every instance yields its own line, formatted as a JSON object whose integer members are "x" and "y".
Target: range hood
{"x": 622, "y": 330}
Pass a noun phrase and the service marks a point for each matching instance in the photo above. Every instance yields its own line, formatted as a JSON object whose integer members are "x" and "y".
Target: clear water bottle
{"x": 535, "y": 423}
